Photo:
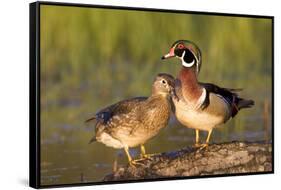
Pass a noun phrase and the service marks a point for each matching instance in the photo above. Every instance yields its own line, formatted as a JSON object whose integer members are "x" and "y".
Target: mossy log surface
{"x": 225, "y": 158}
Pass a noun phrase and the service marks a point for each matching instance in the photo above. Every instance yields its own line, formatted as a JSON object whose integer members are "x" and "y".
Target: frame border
{"x": 34, "y": 92}
{"x": 34, "y": 95}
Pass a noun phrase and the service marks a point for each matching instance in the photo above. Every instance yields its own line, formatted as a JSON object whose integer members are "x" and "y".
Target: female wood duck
{"x": 201, "y": 106}
{"x": 131, "y": 122}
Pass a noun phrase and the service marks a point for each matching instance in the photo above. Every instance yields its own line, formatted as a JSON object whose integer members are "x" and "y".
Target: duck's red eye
{"x": 180, "y": 46}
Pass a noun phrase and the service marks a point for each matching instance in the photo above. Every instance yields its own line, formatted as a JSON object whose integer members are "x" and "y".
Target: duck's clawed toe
{"x": 148, "y": 156}
{"x": 197, "y": 145}
{"x": 203, "y": 146}
{"x": 135, "y": 163}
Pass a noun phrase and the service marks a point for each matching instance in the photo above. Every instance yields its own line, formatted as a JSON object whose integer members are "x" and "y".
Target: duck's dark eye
{"x": 163, "y": 81}
{"x": 180, "y": 46}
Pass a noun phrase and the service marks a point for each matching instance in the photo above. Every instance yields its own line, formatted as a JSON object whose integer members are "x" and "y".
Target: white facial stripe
{"x": 184, "y": 63}
{"x": 197, "y": 63}
{"x": 201, "y": 99}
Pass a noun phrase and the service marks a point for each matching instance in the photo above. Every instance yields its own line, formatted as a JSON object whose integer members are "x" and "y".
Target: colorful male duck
{"x": 131, "y": 122}
{"x": 201, "y": 106}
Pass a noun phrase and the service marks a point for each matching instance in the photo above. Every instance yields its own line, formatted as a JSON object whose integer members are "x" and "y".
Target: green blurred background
{"x": 91, "y": 58}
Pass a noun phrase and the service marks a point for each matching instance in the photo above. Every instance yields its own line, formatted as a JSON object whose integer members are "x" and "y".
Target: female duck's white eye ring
{"x": 163, "y": 81}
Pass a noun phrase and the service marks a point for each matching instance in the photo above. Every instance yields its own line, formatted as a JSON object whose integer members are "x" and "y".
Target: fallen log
{"x": 226, "y": 158}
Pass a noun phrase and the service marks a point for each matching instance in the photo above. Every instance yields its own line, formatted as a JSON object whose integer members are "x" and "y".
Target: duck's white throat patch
{"x": 185, "y": 64}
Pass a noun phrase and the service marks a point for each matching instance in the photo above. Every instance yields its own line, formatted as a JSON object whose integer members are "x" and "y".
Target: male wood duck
{"x": 131, "y": 122}
{"x": 201, "y": 106}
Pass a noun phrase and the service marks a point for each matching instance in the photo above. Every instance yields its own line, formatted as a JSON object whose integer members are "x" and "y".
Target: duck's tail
{"x": 242, "y": 103}
{"x": 90, "y": 119}
{"x": 93, "y": 139}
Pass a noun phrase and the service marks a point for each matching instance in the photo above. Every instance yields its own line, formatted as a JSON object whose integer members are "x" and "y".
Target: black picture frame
{"x": 34, "y": 97}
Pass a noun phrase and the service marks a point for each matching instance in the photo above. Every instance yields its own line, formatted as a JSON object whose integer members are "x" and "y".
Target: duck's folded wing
{"x": 122, "y": 107}
{"x": 219, "y": 90}
{"x": 228, "y": 94}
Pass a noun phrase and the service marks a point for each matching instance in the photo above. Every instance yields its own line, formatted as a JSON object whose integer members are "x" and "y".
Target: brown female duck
{"x": 131, "y": 122}
{"x": 201, "y": 106}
